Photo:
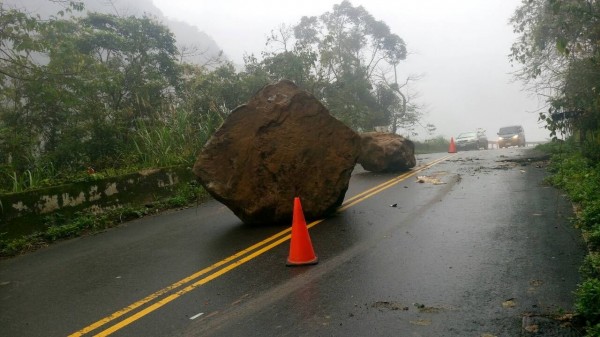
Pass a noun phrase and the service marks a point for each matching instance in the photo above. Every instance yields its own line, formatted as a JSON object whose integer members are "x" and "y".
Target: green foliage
{"x": 593, "y": 331}
{"x": 170, "y": 140}
{"x": 593, "y": 238}
{"x": 591, "y": 266}
{"x": 558, "y": 49}
{"x": 185, "y": 194}
{"x": 579, "y": 176}
{"x": 23, "y": 244}
{"x": 345, "y": 58}
{"x": 36, "y": 177}
{"x": 574, "y": 175}
{"x": 590, "y": 215}
{"x": 74, "y": 104}
{"x": 350, "y": 45}
{"x": 588, "y": 301}
{"x": 434, "y": 145}
{"x": 102, "y": 93}
{"x": 210, "y": 96}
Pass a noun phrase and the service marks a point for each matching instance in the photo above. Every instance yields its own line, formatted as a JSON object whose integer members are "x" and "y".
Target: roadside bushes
{"x": 433, "y": 145}
{"x": 579, "y": 176}
{"x": 589, "y": 220}
{"x": 591, "y": 266}
{"x": 588, "y": 305}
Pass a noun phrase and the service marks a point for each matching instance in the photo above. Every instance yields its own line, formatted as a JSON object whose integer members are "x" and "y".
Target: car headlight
{"x": 515, "y": 136}
{"x": 500, "y": 138}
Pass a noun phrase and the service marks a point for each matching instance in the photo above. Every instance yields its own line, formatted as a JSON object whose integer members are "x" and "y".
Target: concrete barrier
{"x": 26, "y": 212}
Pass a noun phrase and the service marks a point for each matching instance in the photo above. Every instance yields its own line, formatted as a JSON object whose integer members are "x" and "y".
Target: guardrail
{"x": 493, "y": 144}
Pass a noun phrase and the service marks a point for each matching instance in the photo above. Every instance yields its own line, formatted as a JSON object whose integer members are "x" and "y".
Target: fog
{"x": 461, "y": 48}
{"x": 198, "y": 45}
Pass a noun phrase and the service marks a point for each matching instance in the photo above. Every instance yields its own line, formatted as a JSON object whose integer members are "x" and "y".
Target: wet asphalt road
{"x": 480, "y": 248}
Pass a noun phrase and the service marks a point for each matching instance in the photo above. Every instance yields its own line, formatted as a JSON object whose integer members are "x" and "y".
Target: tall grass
{"x": 174, "y": 138}
{"x": 433, "y": 145}
{"x": 29, "y": 179}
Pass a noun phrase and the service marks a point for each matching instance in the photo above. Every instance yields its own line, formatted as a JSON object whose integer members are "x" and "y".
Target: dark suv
{"x": 511, "y": 136}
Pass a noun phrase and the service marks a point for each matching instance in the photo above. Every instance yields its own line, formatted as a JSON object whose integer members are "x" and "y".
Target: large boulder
{"x": 386, "y": 152}
{"x": 282, "y": 144}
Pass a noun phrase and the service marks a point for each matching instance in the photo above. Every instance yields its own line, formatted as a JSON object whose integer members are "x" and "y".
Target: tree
{"x": 137, "y": 57}
{"x": 215, "y": 92}
{"x": 352, "y": 49}
{"x": 72, "y": 89}
{"x": 284, "y": 60}
{"x": 559, "y": 51}
{"x": 122, "y": 70}
{"x": 23, "y": 53}
{"x": 345, "y": 58}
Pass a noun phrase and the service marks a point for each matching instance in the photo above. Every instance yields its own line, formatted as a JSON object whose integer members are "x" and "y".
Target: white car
{"x": 472, "y": 140}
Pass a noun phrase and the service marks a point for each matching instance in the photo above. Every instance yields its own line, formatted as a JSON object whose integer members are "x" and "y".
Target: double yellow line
{"x": 230, "y": 263}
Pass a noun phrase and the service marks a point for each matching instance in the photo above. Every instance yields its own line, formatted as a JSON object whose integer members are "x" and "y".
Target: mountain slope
{"x": 197, "y": 46}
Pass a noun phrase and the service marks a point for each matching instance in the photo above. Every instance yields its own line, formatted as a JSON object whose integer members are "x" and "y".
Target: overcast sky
{"x": 461, "y": 47}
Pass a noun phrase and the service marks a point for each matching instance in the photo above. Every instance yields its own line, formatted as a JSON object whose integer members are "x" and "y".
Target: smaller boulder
{"x": 386, "y": 152}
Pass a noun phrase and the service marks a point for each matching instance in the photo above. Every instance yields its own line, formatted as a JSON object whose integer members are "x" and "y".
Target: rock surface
{"x": 283, "y": 143}
{"x": 386, "y": 152}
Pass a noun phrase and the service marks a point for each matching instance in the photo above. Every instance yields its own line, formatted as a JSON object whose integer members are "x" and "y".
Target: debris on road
{"x": 429, "y": 180}
{"x": 421, "y": 322}
{"x": 551, "y": 325}
{"x": 509, "y": 303}
{"x": 389, "y": 305}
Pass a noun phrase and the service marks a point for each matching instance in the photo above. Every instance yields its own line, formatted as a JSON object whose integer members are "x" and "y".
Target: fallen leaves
{"x": 533, "y": 328}
{"x": 510, "y": 303}
{"x": 536, "y": 283}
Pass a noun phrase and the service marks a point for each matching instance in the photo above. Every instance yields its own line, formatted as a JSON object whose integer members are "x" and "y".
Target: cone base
{"x": 290, "y": 263}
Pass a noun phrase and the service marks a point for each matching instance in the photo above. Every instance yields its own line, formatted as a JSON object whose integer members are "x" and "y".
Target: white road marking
{"x": 196, "y": 316}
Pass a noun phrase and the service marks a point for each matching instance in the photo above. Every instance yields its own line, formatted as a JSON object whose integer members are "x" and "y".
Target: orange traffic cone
{"x": 301, "y": 250}
{"x": 452, "y": 147}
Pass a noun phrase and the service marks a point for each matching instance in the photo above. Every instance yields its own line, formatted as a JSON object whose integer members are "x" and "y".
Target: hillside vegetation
{"x": 558, "y": 50}
{"x": 86, "y": 92}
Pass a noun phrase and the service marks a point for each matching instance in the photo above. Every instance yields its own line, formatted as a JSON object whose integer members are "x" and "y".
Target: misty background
{"x": 459, "y": 49}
